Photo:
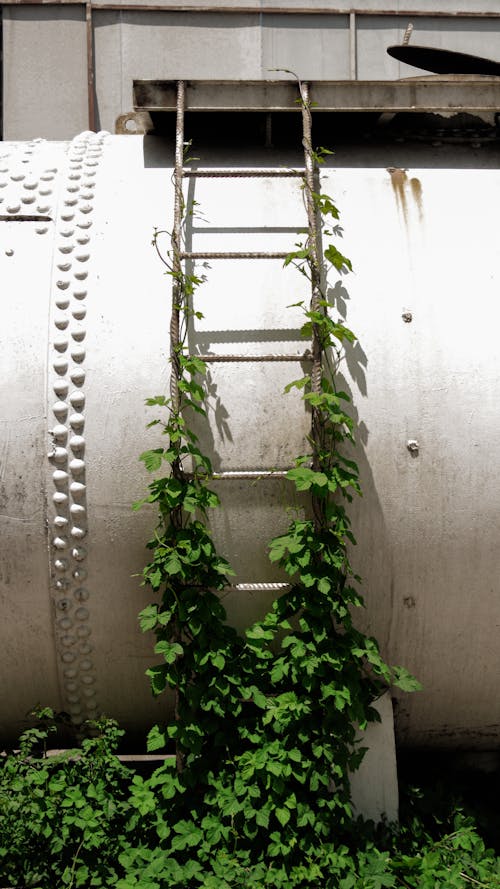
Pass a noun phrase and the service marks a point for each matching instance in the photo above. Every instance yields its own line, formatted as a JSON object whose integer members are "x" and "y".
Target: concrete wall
{"x": 45, "y": 65}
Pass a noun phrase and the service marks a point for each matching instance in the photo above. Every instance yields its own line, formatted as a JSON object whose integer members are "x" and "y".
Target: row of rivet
{"x": 27, "y": 189}
{"x": 68, "y": 333}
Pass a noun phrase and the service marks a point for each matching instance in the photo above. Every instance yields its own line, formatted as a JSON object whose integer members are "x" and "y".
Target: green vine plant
{"x": 265, "y": 725}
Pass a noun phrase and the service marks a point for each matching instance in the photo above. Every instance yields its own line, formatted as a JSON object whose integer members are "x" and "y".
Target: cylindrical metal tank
{"x": 84, "y": 329}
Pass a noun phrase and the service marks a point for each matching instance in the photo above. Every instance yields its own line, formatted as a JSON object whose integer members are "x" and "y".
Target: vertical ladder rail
{"x": 176, "y": 246}
{"x": 177, "y": 297}
{"x": 311, "y": 170}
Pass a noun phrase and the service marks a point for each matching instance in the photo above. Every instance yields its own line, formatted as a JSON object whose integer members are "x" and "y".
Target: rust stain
{"x": 416, "y": 190}
{"x": 399, "y": 180}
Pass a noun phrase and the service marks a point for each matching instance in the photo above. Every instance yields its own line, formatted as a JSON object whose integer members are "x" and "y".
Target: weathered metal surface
{"x": 481, "y": 94}
{"x": 424, "y": 303}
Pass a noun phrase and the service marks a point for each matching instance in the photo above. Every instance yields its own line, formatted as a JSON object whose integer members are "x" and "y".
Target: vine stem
{"x": 311, "y": 174}
{"x": 175, "y": 343}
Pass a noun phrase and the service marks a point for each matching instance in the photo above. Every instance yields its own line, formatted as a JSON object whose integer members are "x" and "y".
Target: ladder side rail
{"x": 310, "y": 179}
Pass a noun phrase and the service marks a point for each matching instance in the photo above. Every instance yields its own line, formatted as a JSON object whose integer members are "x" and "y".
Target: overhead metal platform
{"x": 430, "y": 93}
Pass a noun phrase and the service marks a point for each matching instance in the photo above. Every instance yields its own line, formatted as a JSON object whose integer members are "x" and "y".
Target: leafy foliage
{"x": 59, "y": 815}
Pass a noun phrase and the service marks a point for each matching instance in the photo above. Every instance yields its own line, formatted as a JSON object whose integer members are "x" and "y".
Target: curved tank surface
{"x": 84, "y": 329}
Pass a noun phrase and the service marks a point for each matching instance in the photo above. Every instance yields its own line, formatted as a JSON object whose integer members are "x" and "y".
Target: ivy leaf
{"x": 156, "y": 739}
{"x": 152, "y": 459}
{"x": 403, "y": 679}
{"x": 283, "y": 815}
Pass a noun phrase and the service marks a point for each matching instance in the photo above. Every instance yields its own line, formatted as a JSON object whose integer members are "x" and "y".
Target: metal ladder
{"x": 308, "y": 174}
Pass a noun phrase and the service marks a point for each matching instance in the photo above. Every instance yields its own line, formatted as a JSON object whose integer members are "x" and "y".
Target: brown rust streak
{"x": 399, "y": 180}
{"x": 416, "y": 190}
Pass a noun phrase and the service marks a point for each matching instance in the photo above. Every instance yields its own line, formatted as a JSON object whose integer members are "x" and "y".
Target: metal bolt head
{"x": 407, "y": 317}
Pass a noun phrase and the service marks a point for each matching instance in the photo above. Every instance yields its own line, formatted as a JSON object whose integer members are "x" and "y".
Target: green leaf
{"x": 404, "y": 680}
{"x": 156, "y": 739}
{"x": 152, "y": 459}
{"x": 283, "y": 815}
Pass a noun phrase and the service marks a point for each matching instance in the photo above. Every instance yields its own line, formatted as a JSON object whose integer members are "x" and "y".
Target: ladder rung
{"x": 249, "y": 474}
{"x": 242, "y": 174}
{"x": 184, "y": 255}
{"x": 212, "y": 359}
{"x": 244, "y": 587}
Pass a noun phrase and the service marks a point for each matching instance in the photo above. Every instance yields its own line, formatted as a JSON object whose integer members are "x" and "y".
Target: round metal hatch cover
{"x": 443, "y": 61}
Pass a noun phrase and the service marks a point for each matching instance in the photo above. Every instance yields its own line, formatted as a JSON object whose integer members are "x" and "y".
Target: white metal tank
{"x": 84, "y": 330}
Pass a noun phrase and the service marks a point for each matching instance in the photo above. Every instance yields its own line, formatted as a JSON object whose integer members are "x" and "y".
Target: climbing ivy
{"x": 265, "y": 724}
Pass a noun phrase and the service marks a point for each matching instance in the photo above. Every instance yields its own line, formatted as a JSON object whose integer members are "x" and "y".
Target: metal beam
{"x": 432, "y": 93}
{"x": 261, "y": 10}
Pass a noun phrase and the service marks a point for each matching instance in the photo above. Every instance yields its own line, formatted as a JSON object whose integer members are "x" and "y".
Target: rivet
{"x": 60, "y": 366}
{"x": 62, "y": 285}
{"x": 81, "y": 595}
{"x": 79, "y": 313}
{"x": 70, "y": 673}
{"x": 62, "y": 584}
{"x": 59, "y": 476}
{"x": 60, "y": 387}
{"x": 65, "y": 623}
{"x": 62, "y": 302}
{"x": 77, "y": 399}
{"x": 77, "y": 489}
{"x": 78, "y": 533}
{"x": 407, "y": 317}
{"x": 77, "y": 466}
{"x": 60, "y": 542}
{"x": 14, "y": 208}
{"x": 77, "y": 376}
{"x": 413, "y": 446}
{"x": 80, "y": 574}
{"x": 64, "y": 266}
{"x": 77, "y": 510}
{"x": 61, "y": 322}
{"x": 77, "y": 443}
{"x": 78, "y": 354}
{"x": 9, "y": 252}
{"x": 60, "y": 521}
{"x": 85, "y": 648}
{"x": 61, "y": 564}
{"x": 60, "y": 499}
{"x": 60, "y": 344}
{"x": 82, "y": 613}
{"x": 79, "y": 294}
{"x": 77, "y": 421}
{"x": 79, "y": 553}
{"x": 88, "y": 680}
{"x": 86, "y": 665}
{"x": 59, "y": 431}
{"x": 68, "y": 657}
{"x": 60, "y": 409}
{"x": 83, "y": 632}
{"x": 60, "y": 455}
